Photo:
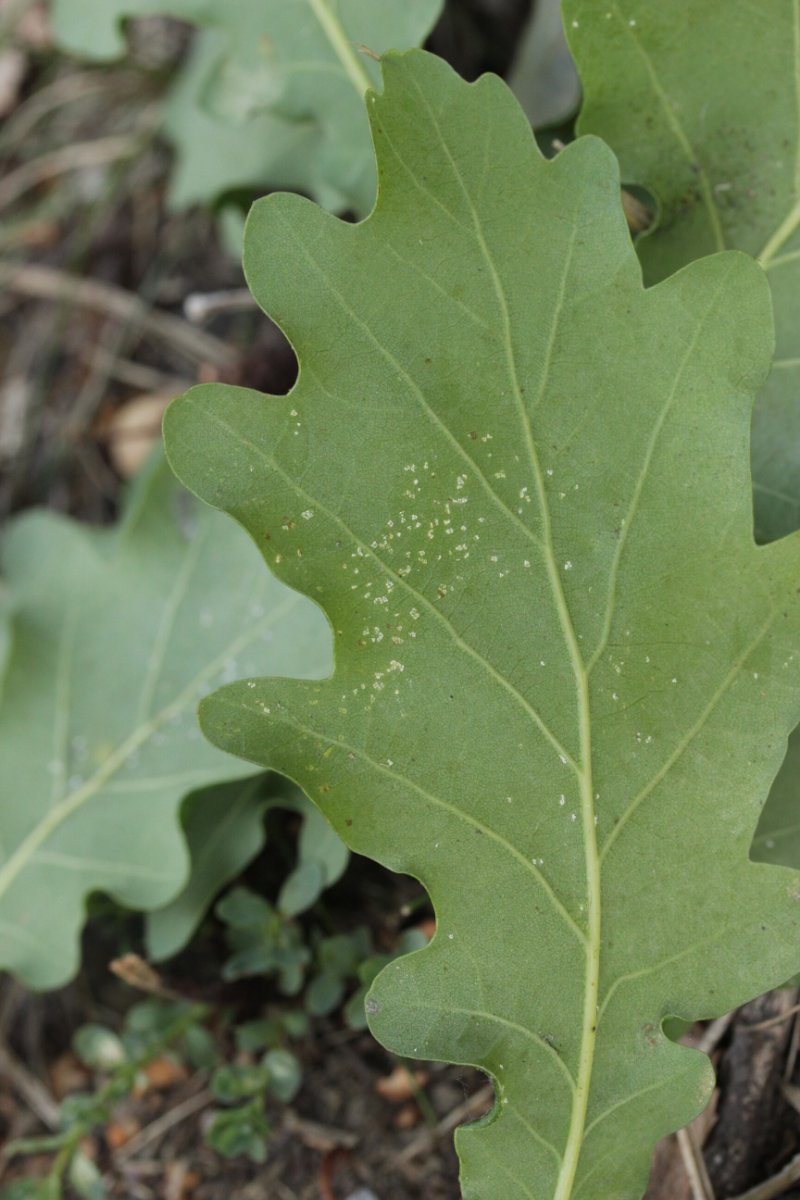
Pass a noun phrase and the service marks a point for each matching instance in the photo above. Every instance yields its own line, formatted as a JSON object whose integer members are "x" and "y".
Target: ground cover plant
{"x": 512, "y": 488}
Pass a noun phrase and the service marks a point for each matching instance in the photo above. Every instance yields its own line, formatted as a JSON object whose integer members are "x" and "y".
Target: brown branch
{"x": 777, "y": 1185}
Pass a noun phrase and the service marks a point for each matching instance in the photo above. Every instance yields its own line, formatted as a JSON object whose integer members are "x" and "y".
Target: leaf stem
{"x": 338, "y": 38}
{"x": 780, "y": 237}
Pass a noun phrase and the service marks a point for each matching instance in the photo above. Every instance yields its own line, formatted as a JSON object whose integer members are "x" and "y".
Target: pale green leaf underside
{"x": 285, "y": 78}
{"x": 117, "y": 636}
{"x": 663, "y": 85}
{"x": 215, "y": 156}
{"x": 224, "y": 831}
{"x": 559, "y": 696}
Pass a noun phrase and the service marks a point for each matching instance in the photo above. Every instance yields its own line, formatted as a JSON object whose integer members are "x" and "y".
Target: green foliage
{"x": 368, "y": 970}
{"x": 722, "y": 162}
{"x": 241, "y": 1131}
{"x": 224, "y": 831}
{"x": 265, "y": 940}
{"x": 151, "y": 1029}
{"x": 777, "y": 838}
{"x": 116, "y": 636}
{"x": 337, "y": 960}
{"x": 503, "y": 442}
{"x": 282, "y": 81}
{"x": 215, "y": 156}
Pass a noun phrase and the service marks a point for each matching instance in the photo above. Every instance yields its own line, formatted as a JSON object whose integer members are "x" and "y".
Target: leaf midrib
{"x": 574, "y": 1142}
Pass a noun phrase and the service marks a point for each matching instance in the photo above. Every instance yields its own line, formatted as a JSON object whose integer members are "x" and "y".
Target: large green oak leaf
{"x": 517, "y": 482}
{"x": 699, "y": 100}
{"x": 116, "y": 637}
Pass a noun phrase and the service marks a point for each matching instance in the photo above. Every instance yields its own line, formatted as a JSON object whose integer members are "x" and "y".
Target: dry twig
{"x": 158, "y": 1128}
{"x": 471, "y": 1106}
{"x": 777, "y": 1185}
{"x": 31, "y": 1089}
{"x": 46, "y": 283}
{"x": 695, "y": 1166}
{"x": 201, "y": 306}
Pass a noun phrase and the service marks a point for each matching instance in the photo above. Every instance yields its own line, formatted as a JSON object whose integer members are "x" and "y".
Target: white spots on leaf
{"x": 568, "y": 565}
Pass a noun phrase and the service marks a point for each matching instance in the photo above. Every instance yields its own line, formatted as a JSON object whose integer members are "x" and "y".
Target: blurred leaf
{"x": 255, "y": 1035}
{"x": 355, "y": 1013}
{"x": 240, "y": 1131}
{"x": 243, "y": 908}
{"x": 320, "y": 843}
{"x": 296, "y": 1024}
{"x": 117, "y": 636}
{"x": 267, "y": 67}
{"x": 342, "y": 953}
{"x": 32, "y": 1189}
{"x": 324, "y": 994}
{"x": 301, "y": 888}
{"x": 777, "y": 838}
{"x": 200, "y": 1048}
{"x": 285, "y": 1074}
{"x": 85, "y": 1178}
{"x": 215, "y": 155}
{"x": 235, "y": 1082}
{"x": 224, "y": 831}
{"x": 323, "y": 858}
{"x": 5, "y": 634}
{"x": 263, "y": 940}
{"x": 82, "y": 1110}
{"x": 98, "y": 1047}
